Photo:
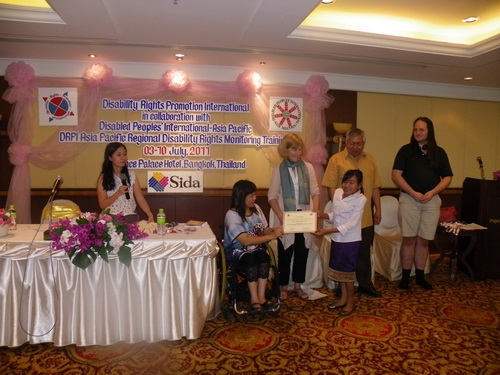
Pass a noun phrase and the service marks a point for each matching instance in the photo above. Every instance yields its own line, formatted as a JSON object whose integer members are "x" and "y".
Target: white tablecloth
{"x": 167, "y": 293}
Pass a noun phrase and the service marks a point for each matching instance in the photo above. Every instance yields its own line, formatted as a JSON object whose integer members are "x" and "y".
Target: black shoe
{"x": 269, "y": 306}
{"x": 369, "y": 292}
{"x": 404, "y": 285}
{"x": 424, "y": 284}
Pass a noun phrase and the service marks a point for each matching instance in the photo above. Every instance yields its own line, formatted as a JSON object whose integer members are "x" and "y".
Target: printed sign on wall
{"x": 285, "y": 114}
{"x": 175, "y": 181}
{"x": 58, "y": 106}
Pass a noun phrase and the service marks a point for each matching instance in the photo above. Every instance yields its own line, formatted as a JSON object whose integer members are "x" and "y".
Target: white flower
{"x": 66, "y": 236}
{"x": 116, "y": 241}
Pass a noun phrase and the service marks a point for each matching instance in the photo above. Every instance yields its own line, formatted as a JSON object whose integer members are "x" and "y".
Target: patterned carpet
{"x": 453, "y": 329}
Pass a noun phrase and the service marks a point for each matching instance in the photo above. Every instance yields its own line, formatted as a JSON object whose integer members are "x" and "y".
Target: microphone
{"x": 480, "y": 161}
{"x": 57, "y": 182}
{"x": 124, "y": 182}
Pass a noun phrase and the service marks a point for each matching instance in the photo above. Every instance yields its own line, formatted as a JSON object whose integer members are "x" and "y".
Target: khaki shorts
{"x": 418, "y": 219}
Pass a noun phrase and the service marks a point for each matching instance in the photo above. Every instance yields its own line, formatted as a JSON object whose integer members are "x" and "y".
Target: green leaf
{"x": 103, "y": 253}
{"x": 82, "y": 259}
{"x": 125, "y": 255}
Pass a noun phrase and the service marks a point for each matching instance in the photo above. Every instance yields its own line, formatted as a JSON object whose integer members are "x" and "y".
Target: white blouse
{"x": 122, "y": 204}
{"x": 346, "y": 216}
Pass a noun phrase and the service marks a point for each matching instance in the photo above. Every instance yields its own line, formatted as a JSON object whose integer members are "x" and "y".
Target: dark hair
{"x": 108, "y": 180}
{"x": 431, "y": 140}
{"x": 356, "y": 173}
{"x": 353, "y": 173}
{"x": 241, "y": 189}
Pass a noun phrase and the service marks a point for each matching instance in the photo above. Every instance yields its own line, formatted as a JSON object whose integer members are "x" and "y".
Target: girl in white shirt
{"x": 347, "y": 208}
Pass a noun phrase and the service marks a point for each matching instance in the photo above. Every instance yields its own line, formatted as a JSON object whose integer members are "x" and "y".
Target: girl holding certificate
{"x": 347, "y": 207}
{"x": 293, "y": 187}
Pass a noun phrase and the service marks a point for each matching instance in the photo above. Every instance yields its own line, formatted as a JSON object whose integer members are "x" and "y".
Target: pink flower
{"x": 98, "y": 75}
{"x": 89, "y": 236}
{"x": 496, "y": 175}
{"x": 175, "y": 80}
{"x": 5, "y": 218}
{"x": 249, "y": 82}
{"x": 19, "y": 74}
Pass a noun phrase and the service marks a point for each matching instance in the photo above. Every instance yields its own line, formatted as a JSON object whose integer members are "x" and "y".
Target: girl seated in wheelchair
{"x": 245, "y": 234}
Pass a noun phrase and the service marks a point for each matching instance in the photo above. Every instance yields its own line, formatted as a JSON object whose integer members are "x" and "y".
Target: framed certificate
{"x": 299, "y": 222}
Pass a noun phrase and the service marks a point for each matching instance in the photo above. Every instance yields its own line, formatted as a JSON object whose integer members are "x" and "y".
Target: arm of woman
{"x": 276, "y": 209}
{"x": 274, "y": 194}
{"x": 246, "y": 240}
{"x": 141, "y": 201}
{"x": 102, "y": 195}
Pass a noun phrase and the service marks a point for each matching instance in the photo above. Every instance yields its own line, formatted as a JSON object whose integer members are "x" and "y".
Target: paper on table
{"x": 471, "y": 226}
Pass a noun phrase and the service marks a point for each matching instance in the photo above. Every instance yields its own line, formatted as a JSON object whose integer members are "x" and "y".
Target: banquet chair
{"x": 387, "y": 242}
{"x": 324, "y": 250}
{"x": 61, "y": 209}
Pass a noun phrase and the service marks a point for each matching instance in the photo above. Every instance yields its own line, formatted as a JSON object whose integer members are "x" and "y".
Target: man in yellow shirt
{"x": 353, "y": 157}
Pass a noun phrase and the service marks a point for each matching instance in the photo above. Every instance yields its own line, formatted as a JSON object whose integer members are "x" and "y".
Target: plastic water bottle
{"x": 13, "y": 215}
{"x": 161, "y": 220}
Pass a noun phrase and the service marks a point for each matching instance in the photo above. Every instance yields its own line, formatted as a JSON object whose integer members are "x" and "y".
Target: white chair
{"x": 324, "y": 249}
{"x": 387, "y": 242}
{"x": 61, "y": 209}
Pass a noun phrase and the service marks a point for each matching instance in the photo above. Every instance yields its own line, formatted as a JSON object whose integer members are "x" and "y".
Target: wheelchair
{"x": 233, "y": 288}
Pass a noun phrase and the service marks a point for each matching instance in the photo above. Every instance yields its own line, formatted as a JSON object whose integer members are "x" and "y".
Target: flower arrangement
{"x": 90, "y": 235}
{"x": 5, "y": 218}
{"x": 496, "y": 175}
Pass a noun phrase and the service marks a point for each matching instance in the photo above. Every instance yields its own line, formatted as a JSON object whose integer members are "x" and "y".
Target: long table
{"x": 167, "y": 293}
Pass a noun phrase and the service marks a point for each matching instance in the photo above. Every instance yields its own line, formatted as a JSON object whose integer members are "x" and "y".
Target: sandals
{"x": 255, "y": 308}
{"x": 283, "y": 294}
{"x": 301, "y": 294}
{"x": 268, "y": 305}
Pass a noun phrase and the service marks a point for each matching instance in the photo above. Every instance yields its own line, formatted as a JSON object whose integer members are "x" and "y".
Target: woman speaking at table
{"x": 118, "y": 189}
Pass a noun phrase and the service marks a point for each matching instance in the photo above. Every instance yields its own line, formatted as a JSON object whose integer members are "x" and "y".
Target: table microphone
{"x": 55, "y": 187}
{"x": 124, "y": 182}
{"x": 480, "y": 161}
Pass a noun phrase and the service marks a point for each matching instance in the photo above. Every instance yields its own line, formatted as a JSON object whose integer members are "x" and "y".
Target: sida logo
{"x": 175, "y": 182}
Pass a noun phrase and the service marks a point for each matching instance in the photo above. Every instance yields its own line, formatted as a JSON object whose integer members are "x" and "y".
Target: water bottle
{"x": 13, "y": 215}
{"x": 161, "y": 220}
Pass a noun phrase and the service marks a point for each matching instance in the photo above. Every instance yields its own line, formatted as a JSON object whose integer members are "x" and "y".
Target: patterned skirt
{"x": 343, "y": 261}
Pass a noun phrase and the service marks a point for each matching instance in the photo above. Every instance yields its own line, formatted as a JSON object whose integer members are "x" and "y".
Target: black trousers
{"x": 364, "y": 266}
{"x": 299, "y": 252}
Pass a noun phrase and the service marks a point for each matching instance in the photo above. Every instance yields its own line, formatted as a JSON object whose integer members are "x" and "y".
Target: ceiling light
{"x": 468, "y": 78}
{"x": 470, "y": 19}
{"x": 92, "y": 56}
{"x": 179, "y": 56}
{"x": 327, "y": 1}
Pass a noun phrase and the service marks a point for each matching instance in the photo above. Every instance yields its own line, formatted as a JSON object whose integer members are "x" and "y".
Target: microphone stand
{"x": 56, "y": 294}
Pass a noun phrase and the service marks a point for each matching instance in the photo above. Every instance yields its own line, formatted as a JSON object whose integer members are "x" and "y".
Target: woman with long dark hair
{"x": 421, "y": 170}
{"x": 112, "y": 193}
{"x": 245, "y": 233}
